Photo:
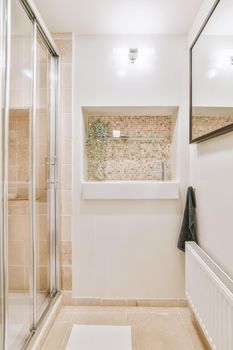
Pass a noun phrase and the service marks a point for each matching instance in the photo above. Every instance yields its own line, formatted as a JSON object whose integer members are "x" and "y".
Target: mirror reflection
{"x": 212, "y": 75}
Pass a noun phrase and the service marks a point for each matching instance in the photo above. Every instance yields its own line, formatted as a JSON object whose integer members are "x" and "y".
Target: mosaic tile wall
{"x": 130, "y": 159}
{"x": 203, "y": 125}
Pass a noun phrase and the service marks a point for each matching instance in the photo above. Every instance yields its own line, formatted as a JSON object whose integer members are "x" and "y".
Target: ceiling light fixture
{"x": 133, "y": 55}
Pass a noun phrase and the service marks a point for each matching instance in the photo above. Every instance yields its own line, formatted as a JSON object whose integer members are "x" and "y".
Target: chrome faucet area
{"x": 162, "y": 171}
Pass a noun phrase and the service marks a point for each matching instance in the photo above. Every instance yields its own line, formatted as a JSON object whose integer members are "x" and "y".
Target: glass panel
{"x": 212, "y": 75}
{"x": 19, "y": 177}
{"x": 2, "y": 51}
{"x": 42, "y": 176}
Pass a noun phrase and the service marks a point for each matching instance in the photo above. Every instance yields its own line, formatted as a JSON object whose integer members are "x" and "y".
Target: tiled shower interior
{"x": 20, "y": 186}
{"x": 129, "y": 147}
{"x": 19, "y": 177}
{"x": 20, "y": 180}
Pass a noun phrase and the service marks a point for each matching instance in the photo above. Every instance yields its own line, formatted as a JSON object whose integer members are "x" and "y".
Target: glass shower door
{"x": 2, "y": 88}
{"x": 44, "y": 186}
{"x": 20, "y": 292}
{"x": 28, "y": 110}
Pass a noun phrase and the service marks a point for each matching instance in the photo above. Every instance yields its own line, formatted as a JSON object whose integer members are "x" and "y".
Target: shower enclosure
{"x": 29, "y": 273}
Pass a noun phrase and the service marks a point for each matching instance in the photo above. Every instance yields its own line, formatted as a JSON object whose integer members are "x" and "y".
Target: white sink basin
{"x": 130, "y": 190}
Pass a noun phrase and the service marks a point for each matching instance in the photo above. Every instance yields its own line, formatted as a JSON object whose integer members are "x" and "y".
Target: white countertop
{"x": 130, "y": 190}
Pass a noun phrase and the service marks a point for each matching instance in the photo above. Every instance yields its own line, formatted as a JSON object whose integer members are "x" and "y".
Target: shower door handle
{"x": 56, "y": 172}
{"x": 52, "y": 171}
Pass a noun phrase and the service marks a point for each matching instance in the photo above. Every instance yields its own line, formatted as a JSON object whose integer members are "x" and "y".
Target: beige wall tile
{"x": 66, "y": 176}
{"x": 44, "y": 254}
{"x": 67, "y": 298}
{"x": 16, "y": 278}
{"x": 65, "y": 48}
{"x": 18, "y": 227}
{"x": 66, "y": 127}
{"x": 66, "y": 101}
{"x": 66, "y": 252}
{"x": 16, "y": 251}
{"x": 27, "y": 274}
{"x": 65, "y": 45}
{"x": 12, "y": 174}
{"x": 66, "y": 197}
{"x": 66, "y": 152}
{"x": 66, "y": 75}
{"x": 43, "y": 278}
{"x": 18, "y": 207}
{"x": 43, "y": 227}
{"x": 66, "y": 228}
{"x": 66, "y": 277}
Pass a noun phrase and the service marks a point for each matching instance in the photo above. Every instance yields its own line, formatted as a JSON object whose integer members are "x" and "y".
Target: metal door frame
{"x": 5, "y": 45}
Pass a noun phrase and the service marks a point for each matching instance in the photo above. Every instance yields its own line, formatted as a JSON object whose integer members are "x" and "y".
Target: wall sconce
{"x": 133, "y": 55}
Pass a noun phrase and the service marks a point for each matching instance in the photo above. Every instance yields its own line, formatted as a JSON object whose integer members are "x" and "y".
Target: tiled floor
{"x": 152, "y": 328}
{"x": 103, "y": 337}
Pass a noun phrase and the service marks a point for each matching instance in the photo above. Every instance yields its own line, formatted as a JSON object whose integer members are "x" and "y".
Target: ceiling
{"x": 119, "y": 16}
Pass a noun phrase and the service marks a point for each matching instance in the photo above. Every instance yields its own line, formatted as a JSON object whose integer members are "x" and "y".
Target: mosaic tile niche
{"x": 138, "y": 154}
{"x": 203, "y": 125}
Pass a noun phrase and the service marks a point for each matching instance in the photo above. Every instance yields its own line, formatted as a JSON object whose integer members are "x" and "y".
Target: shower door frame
{"x": 4, "y": 117}
{"x": 39, "y": 28}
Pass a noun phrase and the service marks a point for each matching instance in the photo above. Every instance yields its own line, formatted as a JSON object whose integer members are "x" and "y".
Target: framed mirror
{"x": 211, "y": 75}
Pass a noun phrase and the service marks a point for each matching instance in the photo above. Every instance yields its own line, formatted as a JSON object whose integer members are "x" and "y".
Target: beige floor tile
{"x": 120, "y": 309}
{"x": 100, "y": 317}
{"x": 189, "y": 322}
{"x": 195, "y": 339}
{"x": 66, "y": 337}
{"x": 65, "y": 314}
{"x": 153, "y": 328}
{"x": 186, "y": 314}
{"x": 153, "y": 310}
{"x": 56, "y": 336}
{"x": 158, "y": 331}
{"x": 93, "y": 309}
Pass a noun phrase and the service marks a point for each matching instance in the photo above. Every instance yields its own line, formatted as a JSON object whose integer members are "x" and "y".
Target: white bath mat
{"x": 84, "y": 337}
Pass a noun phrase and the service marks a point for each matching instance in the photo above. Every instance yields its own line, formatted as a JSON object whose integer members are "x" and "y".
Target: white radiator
{"x": 210, "y": 293}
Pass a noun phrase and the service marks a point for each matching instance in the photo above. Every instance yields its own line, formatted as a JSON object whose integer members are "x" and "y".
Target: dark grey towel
{"x": 188, "y": 228}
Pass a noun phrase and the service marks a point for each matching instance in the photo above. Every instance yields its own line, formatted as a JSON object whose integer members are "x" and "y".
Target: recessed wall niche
{"x": 129, "y": 143}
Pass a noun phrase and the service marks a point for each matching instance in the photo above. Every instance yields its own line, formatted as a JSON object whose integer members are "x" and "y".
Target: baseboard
{"x": 67, "y": 299}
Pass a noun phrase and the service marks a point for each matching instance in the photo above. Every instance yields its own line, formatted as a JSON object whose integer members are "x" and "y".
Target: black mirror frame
{"x": 219, "y": 131}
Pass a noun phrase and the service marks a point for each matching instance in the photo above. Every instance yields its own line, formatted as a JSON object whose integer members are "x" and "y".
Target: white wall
{"x": 211, "y": 168}
{"x": 127, "y": 249}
